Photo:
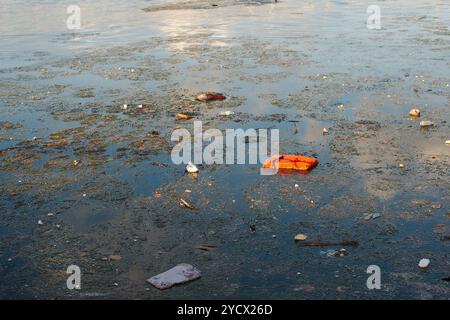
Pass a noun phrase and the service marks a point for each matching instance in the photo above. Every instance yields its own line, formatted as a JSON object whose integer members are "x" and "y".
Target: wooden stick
{"x": 328, "y": 244}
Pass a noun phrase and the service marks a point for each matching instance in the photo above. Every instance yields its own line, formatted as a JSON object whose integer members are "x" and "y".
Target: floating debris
{"x": 424, "y": 263}
{"x": 177, "y": 275}
{"x": 209, "y": 96}
{"x": 371, "y": 216}
{"x": 114, "y": 257}
{"x": 226, "y": 113}
{"x": 159, "y": 164}
{"x": 426, "y": 123}
{"x": 186, "y": 204}
{"x": 300, "y": 237}
{"x": 290, "y": 162}
{"x": 57, "y": 144}
{"x": 414, "y": 112}
{"x": 330, "y": 244}
{"x": 206, "y": 247}
{"x": 191, "y": 168}
{"x": 337, "y": 253}
{"x": 183, "y": 117}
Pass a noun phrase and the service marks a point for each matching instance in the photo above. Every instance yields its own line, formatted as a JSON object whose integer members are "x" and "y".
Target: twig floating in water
{"x": 205, "y": 247}
{"x": 329, "y": 244}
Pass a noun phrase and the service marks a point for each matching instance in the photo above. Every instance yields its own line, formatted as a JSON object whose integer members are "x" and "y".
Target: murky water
{"x": 297, "y": 66}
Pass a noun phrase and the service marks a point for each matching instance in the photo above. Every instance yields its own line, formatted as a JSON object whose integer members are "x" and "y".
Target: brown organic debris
{"x": 57, "y": 144}
{"x": 206, "y": 247}
{"x": 210, "y": 96}
{"x": 182, "y": 117}
{"x": 329, "y": 244}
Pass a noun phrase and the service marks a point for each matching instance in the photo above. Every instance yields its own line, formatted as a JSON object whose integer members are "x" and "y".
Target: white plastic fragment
{"x": 376, "y": 215}
{"x": 426, "y": 123}
{"x": 336, "y": 253}
{"x": 226, "y": 113}
{"x": 191, "y": 168}
{"x": 300, "y": 237}
{"x": 179, "y": 274}
{"x": 371, "y": 216}
{"x": 424, "y": 263}
{"x": 186, "y": 204}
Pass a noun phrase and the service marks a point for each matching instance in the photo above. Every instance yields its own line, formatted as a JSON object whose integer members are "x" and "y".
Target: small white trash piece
{"x": 426, "y": 123}
{"x": 179, "y": 274}
{"x": 226, "y": 113}
{"x": 424, "y": 263}
{"x": 191, "y": 168}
